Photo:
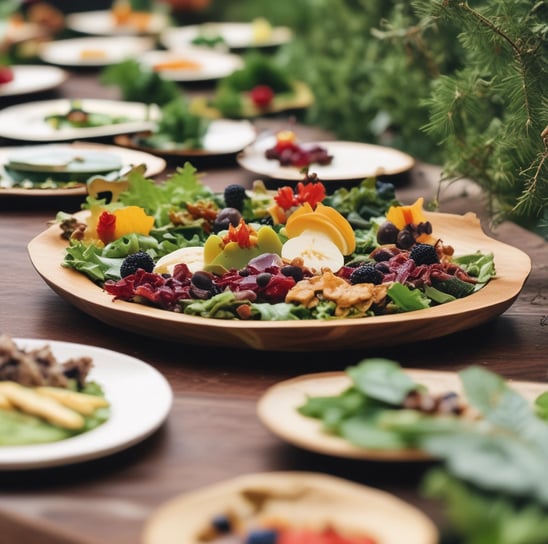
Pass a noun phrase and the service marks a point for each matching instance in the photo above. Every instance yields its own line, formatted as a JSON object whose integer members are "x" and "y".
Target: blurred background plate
{"x": 278, "y": 410}
{"x": 94, "y": 51}
{"x": 351, "y": 161}
{"x": 192, "y": 64}
{"x": 29, "y": 79}
{"x": 298, "y": 499}
{"x": 223, "y": 137}
{"x": 128, "y": 157}
{"x": 233, "y": 35}
{"x": 28, "y": 121}
{"x": 103, "y": 23}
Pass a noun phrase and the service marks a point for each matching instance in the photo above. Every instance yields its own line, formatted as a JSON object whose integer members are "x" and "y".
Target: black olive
{"x": 291, "y": 271}
{"x": 263, "y": 279}
{"x": 387, "y": 233}
{"x": 202, "y": 280}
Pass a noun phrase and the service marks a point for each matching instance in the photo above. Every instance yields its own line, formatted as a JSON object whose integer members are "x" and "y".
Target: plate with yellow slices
{"x": 139, "y": 398}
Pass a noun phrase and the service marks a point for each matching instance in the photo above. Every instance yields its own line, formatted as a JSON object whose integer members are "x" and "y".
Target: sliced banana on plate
{"x": 315, "y": 249}
{"x": 193, "y": 257}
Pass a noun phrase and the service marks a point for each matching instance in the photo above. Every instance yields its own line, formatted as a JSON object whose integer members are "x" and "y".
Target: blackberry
{"x": 424, "y": 254}
{"x": 367, "y": 273}
{"x": 235, "y": 196}
{"x": 133, "y": 262}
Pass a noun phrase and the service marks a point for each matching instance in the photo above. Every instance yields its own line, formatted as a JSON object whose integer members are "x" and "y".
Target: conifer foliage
{"x": 491, "y": 114}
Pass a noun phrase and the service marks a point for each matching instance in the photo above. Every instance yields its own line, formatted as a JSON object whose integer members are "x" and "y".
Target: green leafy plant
{"x": 461, "y": 84}
{"x": 137, "y": 83}
{"x": 491, "y": 115}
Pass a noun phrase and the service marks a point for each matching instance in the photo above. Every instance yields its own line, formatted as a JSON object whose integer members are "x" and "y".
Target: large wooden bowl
{"x": 464, "y": 233}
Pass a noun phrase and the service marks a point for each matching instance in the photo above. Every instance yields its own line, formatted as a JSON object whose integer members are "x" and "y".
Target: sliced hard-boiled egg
{"x": 315, "y": 249}
{"x": 193, "y": 257}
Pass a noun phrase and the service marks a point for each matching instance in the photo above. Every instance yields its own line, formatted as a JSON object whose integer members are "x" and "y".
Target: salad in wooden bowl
{"x": 288, "y": 269}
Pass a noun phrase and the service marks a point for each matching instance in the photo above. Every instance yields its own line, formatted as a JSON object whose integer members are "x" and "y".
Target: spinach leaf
{"x": 381, "y": 379}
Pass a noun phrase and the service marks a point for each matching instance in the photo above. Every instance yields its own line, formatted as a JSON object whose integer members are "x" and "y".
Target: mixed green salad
{"x": 78, "y": 117}
{"x": 294, "y": 253}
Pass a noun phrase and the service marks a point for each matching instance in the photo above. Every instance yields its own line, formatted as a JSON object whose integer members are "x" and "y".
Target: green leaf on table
{"x": 381, "y": 379}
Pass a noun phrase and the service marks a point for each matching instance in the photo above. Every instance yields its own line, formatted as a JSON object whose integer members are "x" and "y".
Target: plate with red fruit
{"x": 21, "y": 79}
{"x": 282, "y": 156}
{"x": 289, "y": 507}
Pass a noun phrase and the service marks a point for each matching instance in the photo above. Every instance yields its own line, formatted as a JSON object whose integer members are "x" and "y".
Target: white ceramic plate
{"x": 20, "y": 31}
{"x": 129, "y": 157}
{"x": 28, "y": 121}
{"x": 235, "y": 35}
{"x": 140, "y": 399}
{"x": 223, "y": 137}
{"x": 94, "y": 51}
{"x": 277, "y": 409}
{"x": 103, "y": 23}
{"x": 306, "y": 499}
{"x": 29, "y": 79}
{"x": 351, "y": 161}
{"x": 209, "y": 64}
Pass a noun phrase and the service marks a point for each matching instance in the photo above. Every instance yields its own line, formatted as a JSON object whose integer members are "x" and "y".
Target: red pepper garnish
{"x": 106, "y": 227}
{"x": 313, "y": 193}
{"x": 242, "y": 235}
{"x": 285, "y": 198}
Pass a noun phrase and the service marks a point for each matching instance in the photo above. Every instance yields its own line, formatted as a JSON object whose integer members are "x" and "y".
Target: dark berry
{"x": 235, "y": 196}
{"x": 387, "y": 233}
{"x": 262, "y": 536}
{"x": 405, "y": 239}
{"x": 385, "y": 189}
{"x": 226, "y": 217}
{"x": 366, "y": 273}
{"x": 424, "y": 254}
{"x": 263, "y": 279}
{"x": 133, "y": 262}
{"x": 222, "y": 523}
{"x": 291, "y": 271}
{"x": 424, "y": 227}
{"x": 202, "y": 280}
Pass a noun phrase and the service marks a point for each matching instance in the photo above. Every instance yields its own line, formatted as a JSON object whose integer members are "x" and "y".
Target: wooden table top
{"x": 213, "y": 433}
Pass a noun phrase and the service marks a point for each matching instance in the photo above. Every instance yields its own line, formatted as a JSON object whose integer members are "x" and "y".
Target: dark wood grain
{"x": 213, "y": 433}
